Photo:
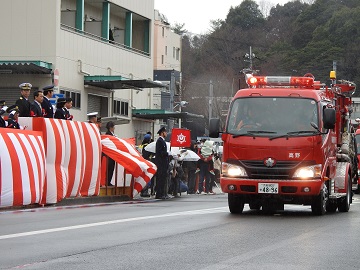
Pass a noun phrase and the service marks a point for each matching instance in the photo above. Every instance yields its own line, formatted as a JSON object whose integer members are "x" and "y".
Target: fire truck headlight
{"x": 308, "y": 172}
{"x": 232, "y": 170}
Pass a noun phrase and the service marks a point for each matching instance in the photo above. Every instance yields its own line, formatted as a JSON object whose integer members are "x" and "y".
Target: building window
{"x": 173, "y": 52}
{"x": 121, "y": 107}
{"x": 165, "y": 50}
{"x": 162, "y": 59}
{"x": 178, "y": 54}
{"x": 163, "y": 31}
{"x": 76, "y": 97}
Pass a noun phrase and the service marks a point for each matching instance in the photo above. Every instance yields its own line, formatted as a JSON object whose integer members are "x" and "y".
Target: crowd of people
{"x": 40, "y": 107}
{"x": 174, "y": 175}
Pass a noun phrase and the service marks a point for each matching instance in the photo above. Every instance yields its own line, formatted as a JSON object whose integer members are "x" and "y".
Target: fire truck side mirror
{"x": 214, "y": 125}
{"x": 329, "y": 118}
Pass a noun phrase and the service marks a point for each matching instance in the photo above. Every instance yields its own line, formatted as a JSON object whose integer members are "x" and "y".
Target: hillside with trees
{"x": 296, "y": 38}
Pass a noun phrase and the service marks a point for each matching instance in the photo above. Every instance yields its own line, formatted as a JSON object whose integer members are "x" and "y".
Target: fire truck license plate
{"x": 268, "y": 188}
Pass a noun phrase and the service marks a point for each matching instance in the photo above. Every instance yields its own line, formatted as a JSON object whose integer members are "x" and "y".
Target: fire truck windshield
{"x": 271, "y": 116}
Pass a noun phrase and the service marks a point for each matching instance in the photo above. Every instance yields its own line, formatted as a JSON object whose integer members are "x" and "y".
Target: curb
{"x": 72, "y": 201}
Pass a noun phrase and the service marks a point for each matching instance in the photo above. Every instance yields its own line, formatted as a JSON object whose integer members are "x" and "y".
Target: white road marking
{"x": 75, "y": 227}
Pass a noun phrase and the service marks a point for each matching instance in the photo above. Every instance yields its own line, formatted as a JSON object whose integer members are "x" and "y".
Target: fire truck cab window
{"x": 279, "y": 115}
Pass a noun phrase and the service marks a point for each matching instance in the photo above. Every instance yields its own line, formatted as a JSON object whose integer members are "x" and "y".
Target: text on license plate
{"x": 272, "y": 188}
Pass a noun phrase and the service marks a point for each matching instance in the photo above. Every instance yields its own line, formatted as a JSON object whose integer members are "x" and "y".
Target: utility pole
{"x": 211, "y": 96}
{"x": 172, "y": 90}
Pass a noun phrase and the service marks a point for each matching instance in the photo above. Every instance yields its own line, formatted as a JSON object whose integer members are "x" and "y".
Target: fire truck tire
{"x": 320, "y": 202}
{"x": 236, "y": 203}
{"x": 344, "y": 203}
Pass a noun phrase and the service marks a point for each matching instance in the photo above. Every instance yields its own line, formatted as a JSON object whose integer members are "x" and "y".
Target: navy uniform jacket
{"x": 2, "y": 122}
{"x": 63, "y": 113}
{"x": 13, "y": 124}
{"x": 68, "y": 116}
{"x": 24, "y": 107}
{"x": 161, "y": 156}
{"x": 48, "y": 108}
{"x": 36, "y": 110}
{"x": 108, "y": 132}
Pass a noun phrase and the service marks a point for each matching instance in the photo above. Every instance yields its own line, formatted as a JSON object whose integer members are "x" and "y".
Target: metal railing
{"x": 101, "y": 39}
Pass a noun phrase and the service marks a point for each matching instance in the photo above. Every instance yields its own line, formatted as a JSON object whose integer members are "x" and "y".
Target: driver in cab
{"x": 250, "y": 119}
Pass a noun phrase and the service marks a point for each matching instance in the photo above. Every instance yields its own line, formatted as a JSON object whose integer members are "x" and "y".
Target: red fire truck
{"x": 288, "y": 140}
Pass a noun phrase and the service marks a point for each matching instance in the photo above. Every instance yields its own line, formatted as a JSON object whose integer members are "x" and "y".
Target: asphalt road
{"x": 191, "y": 232}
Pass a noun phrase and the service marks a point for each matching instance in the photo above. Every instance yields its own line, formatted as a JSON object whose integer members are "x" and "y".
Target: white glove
{"x": 4, "y": 108}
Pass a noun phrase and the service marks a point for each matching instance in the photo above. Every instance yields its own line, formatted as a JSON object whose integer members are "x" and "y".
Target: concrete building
{"x": 100, "y": 53}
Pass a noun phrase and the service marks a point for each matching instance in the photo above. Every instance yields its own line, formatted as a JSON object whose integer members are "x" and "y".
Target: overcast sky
{"x": 196, "y": 14}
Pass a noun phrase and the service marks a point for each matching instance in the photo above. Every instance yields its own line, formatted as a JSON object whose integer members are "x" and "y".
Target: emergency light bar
{"x": 256, "y": 81}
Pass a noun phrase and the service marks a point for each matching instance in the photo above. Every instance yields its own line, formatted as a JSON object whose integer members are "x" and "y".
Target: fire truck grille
{"x": 281, "y": 170}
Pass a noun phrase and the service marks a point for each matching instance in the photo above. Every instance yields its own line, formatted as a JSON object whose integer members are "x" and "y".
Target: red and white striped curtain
{"x": 54, "y": 159}
{"x": 127, "y": 156}
{"x": 22, "y": 167}
{"x": 72, "y": 152}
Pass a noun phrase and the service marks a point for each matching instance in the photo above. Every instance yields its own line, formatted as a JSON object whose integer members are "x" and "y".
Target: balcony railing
{"x": 101, "y": 39}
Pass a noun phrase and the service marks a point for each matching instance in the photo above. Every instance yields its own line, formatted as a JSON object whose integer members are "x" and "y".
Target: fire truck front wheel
{"x": 236, "y": 203}
{"x": 319, "y": 204}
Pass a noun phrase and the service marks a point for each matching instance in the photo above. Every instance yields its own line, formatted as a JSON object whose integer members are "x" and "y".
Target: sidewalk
{"x": 95, "y": 200}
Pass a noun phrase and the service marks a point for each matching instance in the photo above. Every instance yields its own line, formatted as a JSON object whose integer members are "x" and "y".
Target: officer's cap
{"x": 25, "y": 86}
{"x": 61, "y": 100}
{"x": 163, "y": 129}
{"x": 13, "y": 109}
{"x": 92, "y": 114}
{"x": 2, "y": 102}
{"x": 49, "y": 87}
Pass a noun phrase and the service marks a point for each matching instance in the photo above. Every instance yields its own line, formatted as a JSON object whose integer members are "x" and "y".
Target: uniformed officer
{"x": 46, "y": 104}
{"x": 162, "y": 163}
{"x": 60, "y": 113}
{"x": 2, "y": 111}
{"x": 36, "y": 109}
{"x": 92, "y": 117}
{"x": 23, "y": 102}
{"x": 13, "y": 112}
{"x": 67, "y": 107}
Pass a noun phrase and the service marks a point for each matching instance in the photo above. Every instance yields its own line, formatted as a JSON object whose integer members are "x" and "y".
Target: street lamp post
{"x": 180, "y": 104}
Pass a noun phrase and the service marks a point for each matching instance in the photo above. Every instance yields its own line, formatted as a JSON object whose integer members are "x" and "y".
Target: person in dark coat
{"x": 60, "y": 113}
{"x": 46, "y": 104}
{"x": 110, "y": 129}
{"x": 146, "y": 155}
{"x": 68, "y": 105}
{"x": 13, "y": 112}
{"x": 36, "y": 109}
{"x": 2, "y": 111}
{"x": 23, "y": 102}
{"x": 62, "y": 109}
{"x": 162, "y": 162}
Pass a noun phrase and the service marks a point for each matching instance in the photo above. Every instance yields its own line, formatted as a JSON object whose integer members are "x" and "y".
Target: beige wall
{"x": 28, "y": 29}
